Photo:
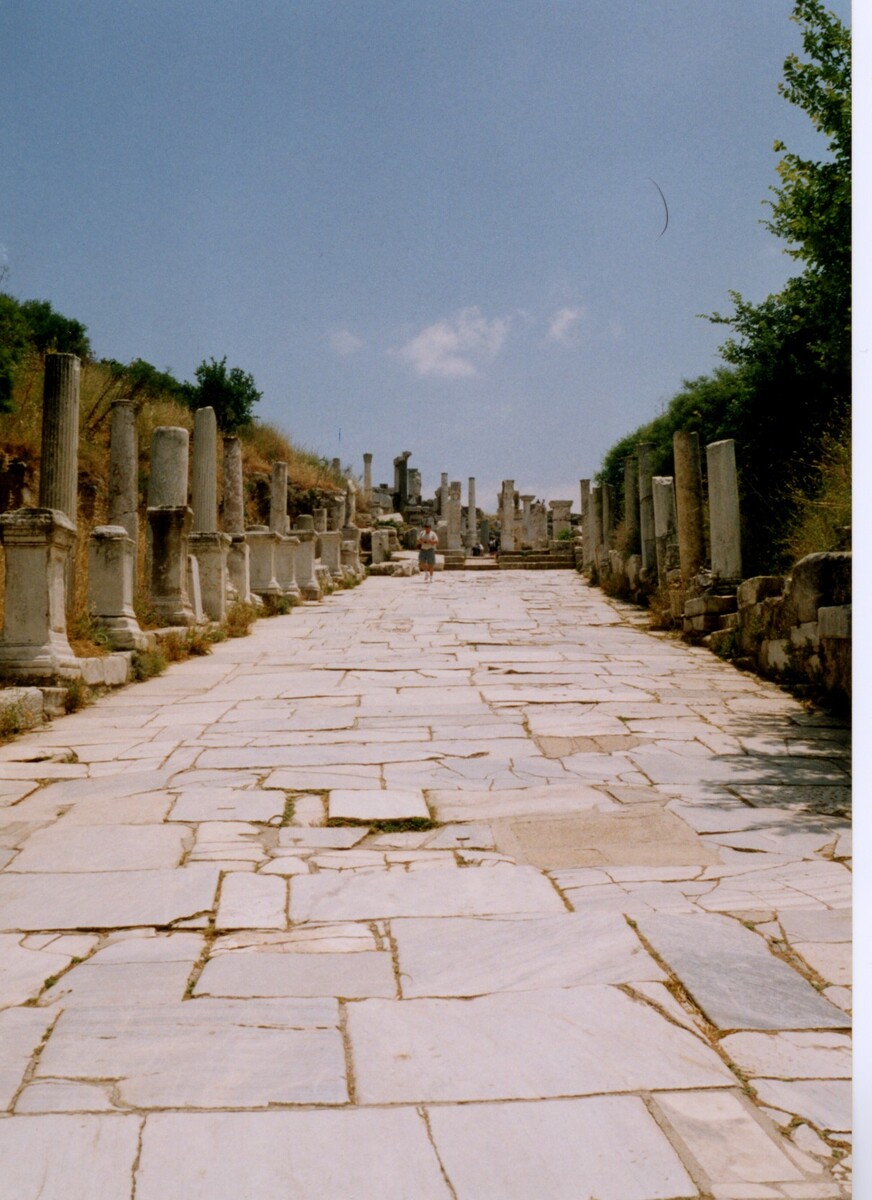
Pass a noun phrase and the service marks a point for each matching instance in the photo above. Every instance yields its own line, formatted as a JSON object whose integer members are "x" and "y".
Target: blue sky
{"x": 433, "y": 226}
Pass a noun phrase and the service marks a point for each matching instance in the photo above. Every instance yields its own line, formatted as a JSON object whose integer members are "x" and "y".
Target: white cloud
{"x": 344, "y": 342}
{"x": 562, "y": 326}
{"x": 451, "y": 348}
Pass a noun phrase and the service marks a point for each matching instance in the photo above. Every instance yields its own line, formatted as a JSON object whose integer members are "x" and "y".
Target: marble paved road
{"x": 474, "y": 889}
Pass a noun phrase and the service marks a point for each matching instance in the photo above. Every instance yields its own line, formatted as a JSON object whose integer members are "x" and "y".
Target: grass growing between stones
{"x": 406, "y": 825}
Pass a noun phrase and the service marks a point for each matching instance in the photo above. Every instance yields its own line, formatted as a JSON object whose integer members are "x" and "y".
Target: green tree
{"x": 13, "y": 342}
{"x": 50, "y": 330}
{"x": 231, "y": 393}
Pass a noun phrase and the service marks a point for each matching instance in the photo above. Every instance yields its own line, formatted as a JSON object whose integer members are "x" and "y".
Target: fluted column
{"x": 58, "y": 475}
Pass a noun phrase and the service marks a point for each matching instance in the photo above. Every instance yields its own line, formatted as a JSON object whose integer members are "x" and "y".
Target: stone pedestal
{"x": 455, "y": 534}
{"x": 331, "y": 552}
{"x": 239, "y": 569}
{"x": 724, "y": 526}
{"x": 665, "y": 540}
{"x": 210, "y": 551}
{"x": 111, "y": 557}
{"x": 287, "y": 564}
{"x": 279, "y": 522}
{"x": 561, "y": 518}
{"x": 380, "y": 541}
{"x": 33, "y": 643}
{"x": 646, "y": 507}
{"x": 123, "y": 485}
{"x": 688, "y": 503}
{"x": 304, "y": 559}
{"x": 319, "y": 520}
{"x": 169, "y": 530}
{"x": 632, "y": 527}
{"x": 204, "y": 473}
{"x": 262, "y": 560}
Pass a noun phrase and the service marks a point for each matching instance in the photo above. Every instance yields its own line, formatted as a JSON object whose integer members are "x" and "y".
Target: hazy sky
{"x": 429, "y": 225}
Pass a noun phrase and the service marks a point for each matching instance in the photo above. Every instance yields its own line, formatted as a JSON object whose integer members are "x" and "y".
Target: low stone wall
{"x": 794, "y": 629}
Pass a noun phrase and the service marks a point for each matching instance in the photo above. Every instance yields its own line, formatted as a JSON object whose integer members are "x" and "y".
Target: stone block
{"x": 709, "y": 605}
{"x": 834, "y": 621}
{"x": 801, "y": 635}
{"x": 817, "y": 581}
{"x": 753, "y": 591}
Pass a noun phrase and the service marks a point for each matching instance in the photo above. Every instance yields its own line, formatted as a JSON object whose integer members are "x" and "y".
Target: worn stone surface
{"x": 628, "y": 841}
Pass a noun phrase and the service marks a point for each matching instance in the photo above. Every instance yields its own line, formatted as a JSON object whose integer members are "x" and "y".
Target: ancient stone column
{"x": 414, "y": 485}
{"x": 59, "y": 468}
{"x": 527, "y": 520}
{"x": 584, "y": 524}
{"x": 331, "y": 552}
{"x": 688, "y": 503}
{"x": 507, "y": 515}
{"x": 206, "y": 543}
{"x": 723, "y": 495}
{"x": 665, "y": 540}
{"x": 455, "y": 539}
{"x": 111, "y": 556}
{"x": 319, "y": 519}
{"x": 401, "y": 476}
{"x": 279, "y": 521}
{"x": 608, "y": 510}
{"x": 33, "y": 644}
{"x": 632, "y": 527}
{"x": 169, "y": 522}
{"x": 471, "y": 516}
{"x": 367, "y": 479}
{"x": 644, "y": 453}
{"x": 561, "y": 517}
{"x": 204, "y": 476}
{"x": 123, "y": 485}
{"x": 596, "y": 507}
{"x": 443, "y": 495}
{"x": 234, "y": 493}
{"x": 539, "y": 525}
{"x": 238, "y": 553}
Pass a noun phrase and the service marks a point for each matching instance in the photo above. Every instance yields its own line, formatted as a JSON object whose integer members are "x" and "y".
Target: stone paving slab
{"x": 204, "y": 1053}
{"x": 384, "y": 1153}
{"x": 731, "y": 974}
{"x": 470, "y": 957}
{"x": 76, "y": 1157}
{"x": 605, "y": 1146}
{"x": 104, "y": 900}
{"x": 522, "y": 1045}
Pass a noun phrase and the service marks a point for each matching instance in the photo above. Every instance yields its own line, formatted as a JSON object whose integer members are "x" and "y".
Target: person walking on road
{"x": 427, "y": 543}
